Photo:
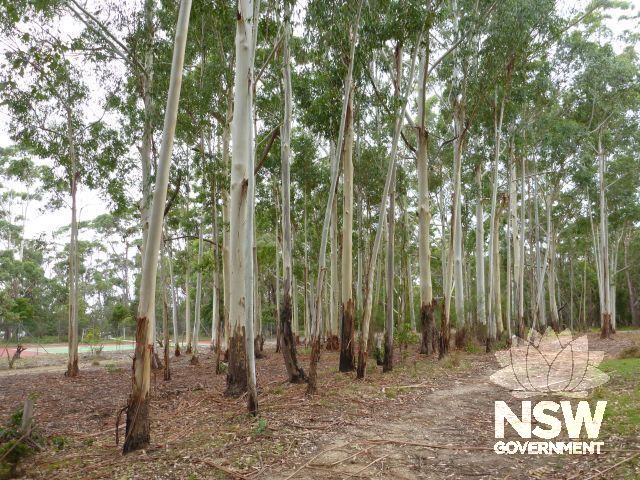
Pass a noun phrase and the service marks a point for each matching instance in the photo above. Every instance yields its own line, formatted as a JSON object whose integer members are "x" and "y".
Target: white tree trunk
{"x": 241, "y": 349}
{"x": 316, "y": 320}
{"x": 138, "y": 425}
{"x": 196, "y": 323}
{"x": 72, "y": 364}
{"x": 480, "y": 287}
{"x": 399, "y": 120}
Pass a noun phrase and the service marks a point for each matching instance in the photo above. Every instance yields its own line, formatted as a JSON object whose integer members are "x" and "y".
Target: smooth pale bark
{"x": 316, "y": 319}
{"x": 215, "y": 315}
{"x": 187, "y": 304}
{"x": 276, "y": 279}
{"x": 226, "y": 274}
{"x": 408, "y": 269}
{"x": 257, "y": 300}
{"x": 241, "y": 370}
{"x": 602, "y": 256}
{"x": 427, "y": 319}
{"x": 137, "y": 411}
{"x": 307, "y": 310}
{"x": 390, "y": 271}
{"x": 540, "y": 312}
{"x": 287, "y": 334}
{"x": 196, "y": 323}
{"x": 520, "y": 276}
{"x": 360, "y": 255}
{"x": 347, "y": 330}
{"x": 494, "y": 329}
{"x": 509, "y": 241}
{"x": 584, "y": 293}
{"x": 147, "y": 131}
{"x": 226, "y": 256}
{"x": 399, "y": 120}
{"x": 166, "y": 339}
{"x": 497, "y": 288}
{"x": 334, "y": 293}
{"x": 454, "y": 256}
{"x": 72, "y": 363}
{"x": 515, "y": 258}
{"x": 554, "y": 317}
{"x": 480, "y": 286}
{"x": 174, "y": 303}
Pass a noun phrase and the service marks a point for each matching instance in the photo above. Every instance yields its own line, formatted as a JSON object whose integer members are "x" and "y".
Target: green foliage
{"x": 93, "y": 336}
{"x": 260, "y": 427}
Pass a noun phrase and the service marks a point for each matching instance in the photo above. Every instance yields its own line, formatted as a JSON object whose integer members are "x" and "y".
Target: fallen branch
{"x": 226, "y": 470}
{"x": 314, "y": 458}
{"x": 602, "y": 472}
{"x": 431, "y": 445}
{"x": 357, "y": 474}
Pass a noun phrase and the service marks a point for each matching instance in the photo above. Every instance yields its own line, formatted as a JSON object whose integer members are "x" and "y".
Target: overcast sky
{"x": 90, "y": 204}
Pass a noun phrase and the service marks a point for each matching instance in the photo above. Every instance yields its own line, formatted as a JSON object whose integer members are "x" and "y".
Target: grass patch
{"x": 622, "y": 415}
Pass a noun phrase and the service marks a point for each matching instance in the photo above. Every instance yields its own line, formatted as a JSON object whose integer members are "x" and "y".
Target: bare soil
{"x": 427, "y": 419}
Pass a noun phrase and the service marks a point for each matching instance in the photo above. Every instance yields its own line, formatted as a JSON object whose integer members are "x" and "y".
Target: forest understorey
{"x": 426, "y": 419}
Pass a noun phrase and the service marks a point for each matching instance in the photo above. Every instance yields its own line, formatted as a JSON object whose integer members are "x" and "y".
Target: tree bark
{"x": 316, "y": 320}
{"x": 287, "y": 335}
{"x": 399, "y": 120}
{"x": 347, "y": 332}
{"x": 241, "y": 373}
{"x": 138, "y": 424}
{"x": 72, "y": 364}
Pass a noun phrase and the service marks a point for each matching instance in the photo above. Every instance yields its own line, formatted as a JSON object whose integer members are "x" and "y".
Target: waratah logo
{"x": 550, "y": 364}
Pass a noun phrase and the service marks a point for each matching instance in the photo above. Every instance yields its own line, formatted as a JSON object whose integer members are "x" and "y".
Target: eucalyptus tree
{"x": 287, "y": 338}
{"x": 316, "y": 311}
{"x": 398, "y": 120}
{"x": 47, "y": 97}
{"x": 605, "y": 90}
{"x": 241, "y": 373}
{"x": 137, "y": 410}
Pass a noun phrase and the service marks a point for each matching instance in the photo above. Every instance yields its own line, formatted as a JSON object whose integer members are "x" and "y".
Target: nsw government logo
{"x": 550, "y": 365}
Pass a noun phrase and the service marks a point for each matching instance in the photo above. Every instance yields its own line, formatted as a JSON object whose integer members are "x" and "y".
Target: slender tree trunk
{"x": 605, "y": 299}
{"x": 521, "y": 260}
{"x": 399, "y": 120}
{"x": 493, "y": 328}
{"x": 316, "y": 320}
{"x": 334, "y": 294}
{"x": 196, "y": 324}
{"x": 480, "y": 287}
{"x": 347, "y": 332}
{"x": 215, "y": 316}
{"x": 241, "y": 370}
{"x": 165, "y": 317}
{"x": 187, "y": 303}
{"x": 427, "y": 319}
{"x": 360, "y": 255}
{"x": 411, "y": 315}
{"x": 388, "y": 327}
{"x": 72, "y": 364}
{"x": 551, "y": 277}
{"x": 288, "y": 336}
{"x": 174, "y": 303}
{"x": 226, "y": 255}
{"x": 278, "y": 314}
{"x": 147, "y": 132}
{"x": 138, "y": 424}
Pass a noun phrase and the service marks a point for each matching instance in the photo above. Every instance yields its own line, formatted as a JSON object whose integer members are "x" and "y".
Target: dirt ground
{"x": 428, "y": 419}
